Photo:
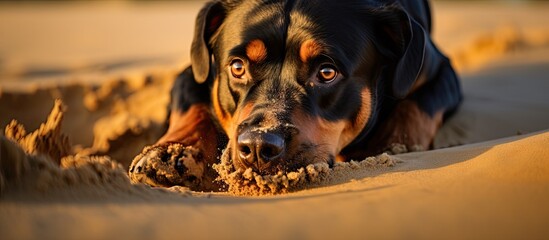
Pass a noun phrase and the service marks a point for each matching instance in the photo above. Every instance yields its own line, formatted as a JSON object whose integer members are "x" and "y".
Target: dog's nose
{"x": 259, "y": 148}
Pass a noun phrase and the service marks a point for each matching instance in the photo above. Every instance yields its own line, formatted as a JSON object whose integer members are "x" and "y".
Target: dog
{"x": 281, "y": 84}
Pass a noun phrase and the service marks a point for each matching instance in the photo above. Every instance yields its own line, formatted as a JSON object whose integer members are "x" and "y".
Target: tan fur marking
{"x": 244, "y": 112}
{"x": 190, "y": 127}
{"x": 408, "y": 125}
{"x": 354, "y": 128}
{"x": 309, "y": 49}
{"x": 422, "y": 79}
{"x": 240, "y": 115}
{"x": 333, "y": 136}
{"x": 223, "y": 117}
{"x": 256, "y": 51}
{"x": 319, "y": 131}
{"x": 419, "y": 129}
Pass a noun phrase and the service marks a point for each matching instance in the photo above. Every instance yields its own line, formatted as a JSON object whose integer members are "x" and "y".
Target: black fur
{"x": 381, "y": 45}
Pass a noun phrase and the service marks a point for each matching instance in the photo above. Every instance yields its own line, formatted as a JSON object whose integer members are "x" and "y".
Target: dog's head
{"x": 295, "y": 82}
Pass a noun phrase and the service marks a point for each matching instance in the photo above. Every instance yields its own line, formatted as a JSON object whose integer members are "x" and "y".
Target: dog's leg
{"x": 184, "y": 155}
{"x": 416, "y": 119}
{"x": 408, "y": 128}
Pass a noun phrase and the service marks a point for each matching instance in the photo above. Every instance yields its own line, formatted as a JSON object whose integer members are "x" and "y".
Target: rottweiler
{"x": 281, "y": 84}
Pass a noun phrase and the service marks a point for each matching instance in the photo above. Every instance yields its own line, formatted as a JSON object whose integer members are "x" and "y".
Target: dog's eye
{"x": 327, "y": 73}
{"x": 237, "y": 68}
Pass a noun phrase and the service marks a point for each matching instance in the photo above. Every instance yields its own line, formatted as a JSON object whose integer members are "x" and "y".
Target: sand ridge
{"x": 48, "y": 139}
{"x": 503, "y": 40}
{"x": 41, "y": 164}
{"x": 249, "y": 182}
{"x": 43, "y": 160}
{"x": 117, "y": 118}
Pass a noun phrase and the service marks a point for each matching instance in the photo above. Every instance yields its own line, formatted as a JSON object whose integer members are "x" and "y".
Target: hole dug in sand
{"x": 41, "y": 165}
{"x": 175, "y": 164}
{"x": 40, "y": 162}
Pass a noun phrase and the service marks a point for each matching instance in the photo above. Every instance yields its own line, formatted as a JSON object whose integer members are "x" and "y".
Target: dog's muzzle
{"x": 264, "y": 149}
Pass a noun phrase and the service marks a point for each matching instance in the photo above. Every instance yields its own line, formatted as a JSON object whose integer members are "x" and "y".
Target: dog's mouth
{"x": 280, "y": 177}
{"x": 269, "y": 161}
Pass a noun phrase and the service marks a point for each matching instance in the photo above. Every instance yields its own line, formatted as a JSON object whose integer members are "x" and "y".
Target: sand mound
{"x": 114, "y": 115}
{"x": 38, "y": 174}
{"x": 39, "y": 164}
{"x": 136, "y": 109}
{"x": 248, "y": 182}
{"x": 497, "y": 43}
{"x": 47, "y": 139}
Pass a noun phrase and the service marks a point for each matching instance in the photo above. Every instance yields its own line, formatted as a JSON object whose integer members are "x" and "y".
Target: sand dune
{"x": 64, "y": 176}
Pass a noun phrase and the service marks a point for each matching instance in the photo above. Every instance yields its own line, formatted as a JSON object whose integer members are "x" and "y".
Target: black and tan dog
{"x": 285, "y": 83}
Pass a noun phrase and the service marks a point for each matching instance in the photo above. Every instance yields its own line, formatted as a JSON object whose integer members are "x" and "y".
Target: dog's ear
{"x": 404, "y": 41}
{"x": 208, "y": 21}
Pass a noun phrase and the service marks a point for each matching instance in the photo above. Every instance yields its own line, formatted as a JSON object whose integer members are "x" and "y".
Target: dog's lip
{"x": 266, "y": 168}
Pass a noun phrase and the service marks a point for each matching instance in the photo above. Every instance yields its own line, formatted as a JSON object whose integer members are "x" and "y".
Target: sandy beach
{"x": 63, "y": 174}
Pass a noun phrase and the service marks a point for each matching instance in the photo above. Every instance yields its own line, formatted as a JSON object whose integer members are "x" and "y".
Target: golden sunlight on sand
{"x": 63, "y": 173}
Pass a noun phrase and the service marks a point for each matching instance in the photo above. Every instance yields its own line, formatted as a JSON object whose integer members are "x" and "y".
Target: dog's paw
{"x": 169, "y": 164}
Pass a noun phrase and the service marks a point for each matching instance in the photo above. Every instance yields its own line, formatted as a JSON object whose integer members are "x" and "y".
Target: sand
{"x": 41, "y": 162}
{"x": 47, "y": 140}
{"x": 247, "y": 182}
{"x": 43, "y": 159}
{"x": 65, "y": 176}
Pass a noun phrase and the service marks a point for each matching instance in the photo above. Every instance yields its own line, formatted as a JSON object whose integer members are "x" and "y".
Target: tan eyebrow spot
{"x": 309, "y": 49}
{"x": 256, "y": 51}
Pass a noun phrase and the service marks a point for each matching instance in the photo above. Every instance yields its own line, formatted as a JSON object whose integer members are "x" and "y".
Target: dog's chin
{"x": 271, "y": 168}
